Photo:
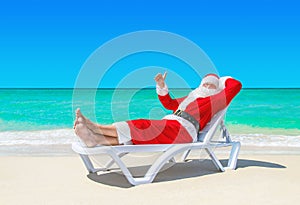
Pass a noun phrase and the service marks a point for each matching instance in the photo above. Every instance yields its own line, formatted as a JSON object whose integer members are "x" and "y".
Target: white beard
{"x": 200, "y": 92}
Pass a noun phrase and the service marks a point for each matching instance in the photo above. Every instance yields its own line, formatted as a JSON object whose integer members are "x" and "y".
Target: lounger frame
{"x": 169, "y": 151}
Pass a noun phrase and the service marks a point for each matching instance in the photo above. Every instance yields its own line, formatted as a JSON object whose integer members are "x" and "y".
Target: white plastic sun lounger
{"x": 169, "y": 151}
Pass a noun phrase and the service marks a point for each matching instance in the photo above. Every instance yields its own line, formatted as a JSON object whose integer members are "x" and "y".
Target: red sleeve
{"x": 170, "y": 103}
{"x": 232, "y": 88}
{"x": 222, "y": 99}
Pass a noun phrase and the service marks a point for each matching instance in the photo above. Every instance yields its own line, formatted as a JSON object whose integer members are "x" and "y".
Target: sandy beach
{"x": 259, "y": 179}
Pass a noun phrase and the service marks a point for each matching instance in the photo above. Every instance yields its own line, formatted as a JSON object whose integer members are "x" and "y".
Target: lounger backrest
{"x": 209, "y": 130}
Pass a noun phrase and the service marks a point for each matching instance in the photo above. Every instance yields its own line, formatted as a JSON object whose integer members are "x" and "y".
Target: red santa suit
{"x": 173, "y": 128}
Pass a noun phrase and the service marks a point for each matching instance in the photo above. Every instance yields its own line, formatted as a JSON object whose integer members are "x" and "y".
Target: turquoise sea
{"x": 33, "y": 117}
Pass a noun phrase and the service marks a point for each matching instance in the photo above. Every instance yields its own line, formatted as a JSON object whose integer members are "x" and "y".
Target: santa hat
{"x": 211, "y": 78}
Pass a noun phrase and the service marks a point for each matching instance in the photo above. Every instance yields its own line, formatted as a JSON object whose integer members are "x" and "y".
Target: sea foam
{"x": 41, "y": 137}
{"x": 261, "y": 140}
{"x": 67, "y": 137}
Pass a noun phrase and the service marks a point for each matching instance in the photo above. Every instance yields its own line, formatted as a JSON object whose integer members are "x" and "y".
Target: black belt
{"x": 188, "y": 117}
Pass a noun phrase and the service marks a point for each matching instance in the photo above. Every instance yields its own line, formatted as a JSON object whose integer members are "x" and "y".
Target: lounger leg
{"x": 233, "y": 155}
{"x": 172, "y": 160}
{"x": 161, "y": 161}
{"x": 112, "y": 161}
{"x": 215, "y": 160}
{"x": 132, "y": 180}
{"x": 88, "y": 164}
{"x": 185, "y": 155}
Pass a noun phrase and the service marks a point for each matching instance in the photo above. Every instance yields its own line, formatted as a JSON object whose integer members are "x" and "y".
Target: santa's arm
{"x": 231, "y": 88}
{"x": 166, "y": 100}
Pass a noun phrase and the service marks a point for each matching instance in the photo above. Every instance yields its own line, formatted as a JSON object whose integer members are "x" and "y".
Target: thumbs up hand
{"x": 160, "y": 79}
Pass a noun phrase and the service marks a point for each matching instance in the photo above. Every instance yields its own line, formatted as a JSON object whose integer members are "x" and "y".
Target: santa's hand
{"x": 160, "y": 79}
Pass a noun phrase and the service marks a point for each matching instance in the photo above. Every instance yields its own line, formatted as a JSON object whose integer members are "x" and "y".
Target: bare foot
{"x": 90, "y": 132}
{"x": 78, "y": 114}
{"x": 92, "y": 126}
{"x": 86, "y": 135}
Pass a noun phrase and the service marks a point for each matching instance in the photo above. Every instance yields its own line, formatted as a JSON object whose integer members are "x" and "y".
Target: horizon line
{"x": 150, "y": 88}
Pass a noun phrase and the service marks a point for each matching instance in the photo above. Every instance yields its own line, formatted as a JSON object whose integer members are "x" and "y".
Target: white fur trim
{"x": 222, "y": 81}
{"x": 162, "y": 91}
{"x": 210, "y": 79}
{"x": 197, "y": 93}
{"x": 123, "y": 132}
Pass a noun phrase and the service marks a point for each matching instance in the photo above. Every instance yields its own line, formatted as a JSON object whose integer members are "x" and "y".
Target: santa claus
{"x": 190, "y": 114}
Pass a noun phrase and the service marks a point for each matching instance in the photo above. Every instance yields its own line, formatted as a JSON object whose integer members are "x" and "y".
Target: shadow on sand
{"x": 190, "y": 169}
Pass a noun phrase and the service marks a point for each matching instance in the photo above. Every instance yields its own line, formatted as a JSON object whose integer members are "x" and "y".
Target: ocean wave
{"x": 41, "y": 137}
{"x": 262, "y": 140}
{"x": 67, "y": 137}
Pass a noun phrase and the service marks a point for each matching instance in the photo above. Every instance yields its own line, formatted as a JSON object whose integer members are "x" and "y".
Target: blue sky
{"x": 45, "y": 43}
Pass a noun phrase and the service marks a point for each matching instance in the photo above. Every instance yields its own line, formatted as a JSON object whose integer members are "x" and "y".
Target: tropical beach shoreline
{"x": 38, "y": 165}
{"x": 258, "y": 179}
{"x": 57, "y": 142}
